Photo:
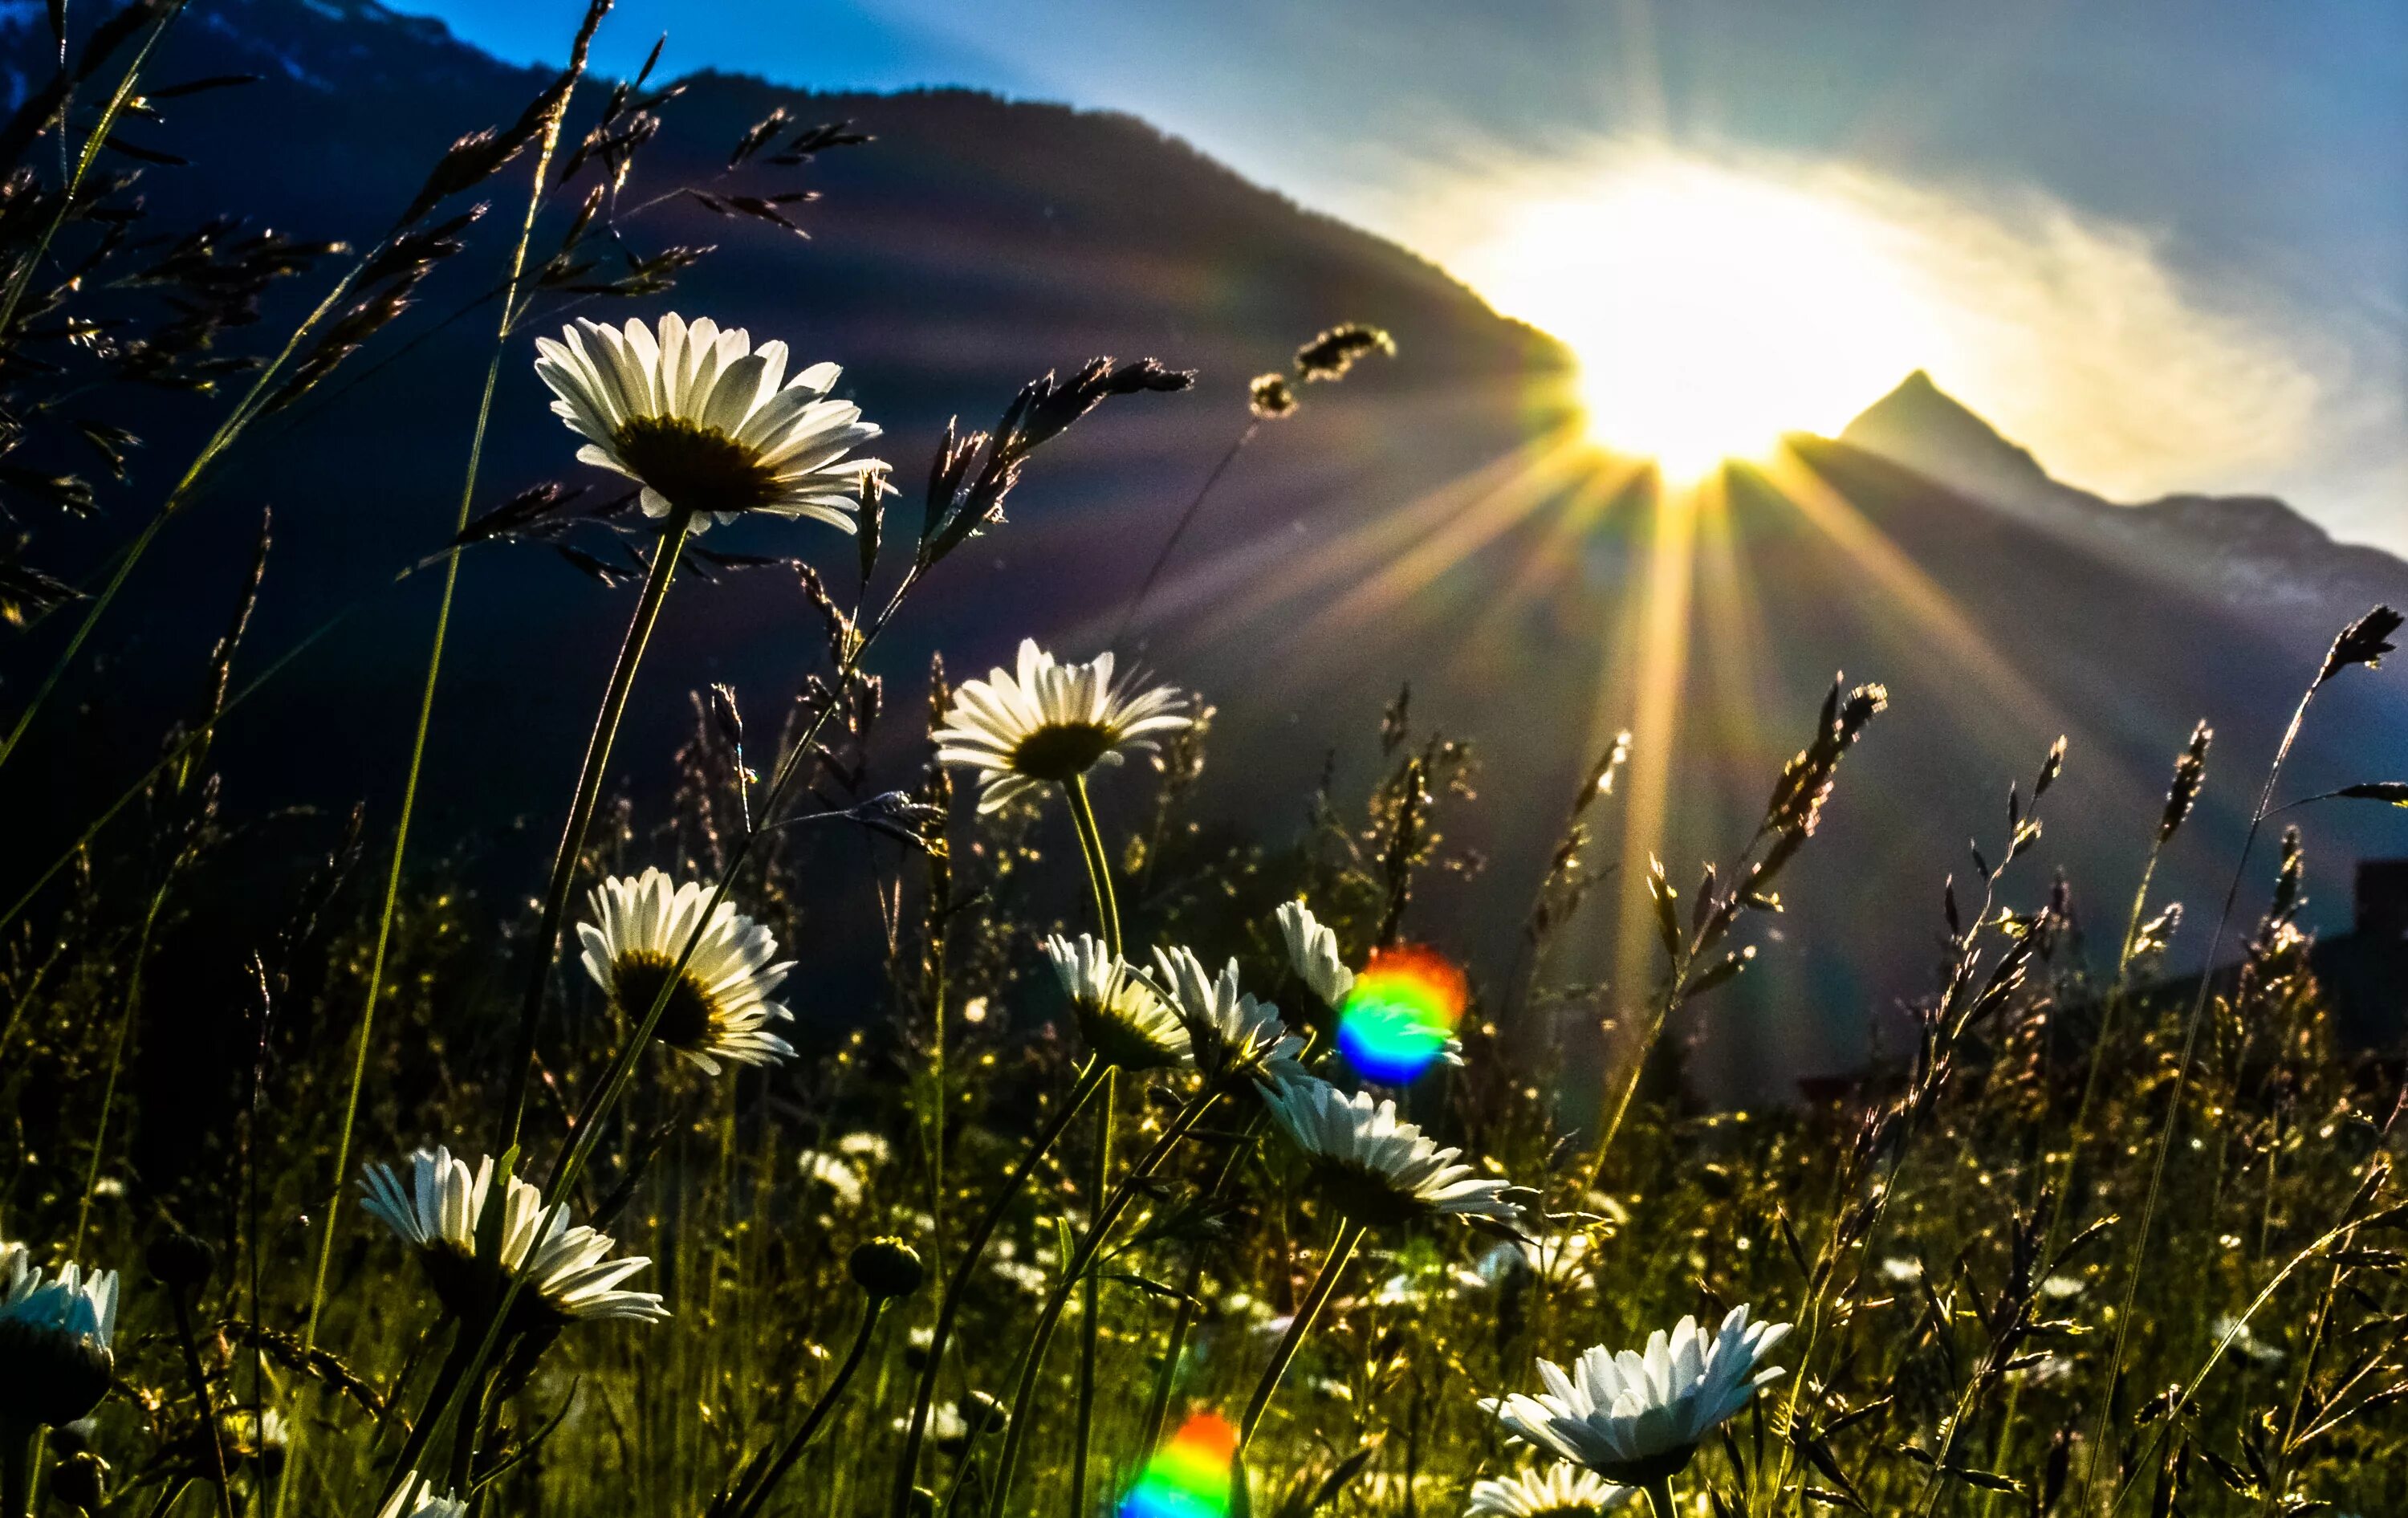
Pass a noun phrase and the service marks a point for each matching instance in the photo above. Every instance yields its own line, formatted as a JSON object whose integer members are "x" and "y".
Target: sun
{"x": 1710, "y": 310}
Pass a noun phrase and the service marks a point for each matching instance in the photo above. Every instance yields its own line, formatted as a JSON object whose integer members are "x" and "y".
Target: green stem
{"x": 586, "y": 1132}
{"x": 1659, "y": 1497}
{"x": 589, "y": 778}
{"x": 549, "y": 144}
{"x": 1092, "y": 1308}
{"x": 1100, "y": 863}
{"x": 906, "y": 1467}
{"x": 1349, "y": 1233}
{"x": 201, "y": 1397}
{"x": 1079, "y": 1269}
{"x": 116, "y": 1065}
{"x": 759, "y": 1496}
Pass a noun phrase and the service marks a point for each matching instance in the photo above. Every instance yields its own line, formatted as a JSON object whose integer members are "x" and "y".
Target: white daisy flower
{"x": 1050, "y": 722}
{"x": 568, "y": 1273}
{"x": 869, "y": 1149}
{"x": 55, "y": 1333}
{"x": 1554, "y": 1491}
{"x": 836, "y": 1172}
{"x": 1375, "y": 1168}
{"x": 720, "y": 1007}
{"x": 417, "y": 1499}
{"x": 1637, "y": 1419}
{"x": 1122, "y": 1017}
{"x": 1232, "y": 1038}
{"x": 1558, "y": 1258}
{"x": 1312, "y": 953}
{"x": 703, "y": 421}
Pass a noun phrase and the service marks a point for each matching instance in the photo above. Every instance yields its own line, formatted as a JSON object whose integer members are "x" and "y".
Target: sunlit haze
{"x": 1710, "y": 312}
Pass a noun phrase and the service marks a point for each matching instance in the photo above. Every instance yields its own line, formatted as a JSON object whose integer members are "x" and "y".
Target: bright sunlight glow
{"x": 1710, "y": 312}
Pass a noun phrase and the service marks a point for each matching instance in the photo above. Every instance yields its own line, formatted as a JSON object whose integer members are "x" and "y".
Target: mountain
{"x": 1437, "y": 519}
{"x": 2253, "y": 548}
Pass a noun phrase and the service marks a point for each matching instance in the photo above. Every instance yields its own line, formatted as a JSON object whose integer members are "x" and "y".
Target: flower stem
{"x": 1023, "y": 1396}
{"x": 759, "y": 1495}
{"x": 548, "y": 146}
{"x": 1349, "y": 1233}
{"x": 1100, "y": 863}
{"x": 1659, "y": 1497}
{"x": 580, "y": 809}
{"x": 949, "y": 1307}
{"x": 1083, "y": 1423}
{"x": 201, "y": 1397}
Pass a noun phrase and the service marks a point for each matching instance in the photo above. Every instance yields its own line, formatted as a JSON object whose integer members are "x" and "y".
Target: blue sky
{"x": 2190, "y": 221}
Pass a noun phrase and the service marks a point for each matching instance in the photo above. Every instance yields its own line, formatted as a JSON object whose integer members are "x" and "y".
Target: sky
{"x": 2164, "y": 246}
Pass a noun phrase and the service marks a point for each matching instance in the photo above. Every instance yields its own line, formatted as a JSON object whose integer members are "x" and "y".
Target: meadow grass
{"x": 1044, "y": 1225}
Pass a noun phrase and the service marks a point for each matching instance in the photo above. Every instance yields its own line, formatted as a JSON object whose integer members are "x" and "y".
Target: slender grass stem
{"x": 549, "y": 144}
{"x": 116, "y": 1064}
{"x": 2172, "y": 1119}
{"x": 21, "y": 277}
{"x": 589, "y": 778}
{"x": 1080, "y": 1269}
{"x": 949, "y": 1307}
{"x": 801, "y": 1439}
{"x": 1157, "y": 1408}
{"x": 1350, "y": 1234}
{"x": 1091, "y": 1308}
{"x": 201, "y": 1398}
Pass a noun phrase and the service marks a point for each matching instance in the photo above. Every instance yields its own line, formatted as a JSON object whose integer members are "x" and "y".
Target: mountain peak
{"x": 1927, "y": 429}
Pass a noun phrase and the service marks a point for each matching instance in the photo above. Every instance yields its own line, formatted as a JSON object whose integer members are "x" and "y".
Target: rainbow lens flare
{"x": 1402, "y": 1012}
{"x": 1189, "y": 1476}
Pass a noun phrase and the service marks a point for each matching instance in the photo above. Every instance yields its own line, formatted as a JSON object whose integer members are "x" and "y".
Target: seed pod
{"x": 887, "y": 1267}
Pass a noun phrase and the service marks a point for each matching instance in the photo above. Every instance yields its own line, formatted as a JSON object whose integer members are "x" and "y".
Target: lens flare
{"x": 1189, "y": 1476}
{"x": 1402, "y": 1012}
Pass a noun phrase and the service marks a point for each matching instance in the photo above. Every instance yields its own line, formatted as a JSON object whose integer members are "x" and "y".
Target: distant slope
{"x": 1429, "y": 520}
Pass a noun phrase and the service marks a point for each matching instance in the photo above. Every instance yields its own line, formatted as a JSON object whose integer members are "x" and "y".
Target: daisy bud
{"x": 887, "y": 1267}
{"x": 180, "y": 1261}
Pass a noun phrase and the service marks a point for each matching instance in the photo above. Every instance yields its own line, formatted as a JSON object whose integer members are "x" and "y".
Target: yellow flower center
{"x": 697, "y": 467}
{"x": 1061, "y": 750}
{"x": 692, "y": 1016}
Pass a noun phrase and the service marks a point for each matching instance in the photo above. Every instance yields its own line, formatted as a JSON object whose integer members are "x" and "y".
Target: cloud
{"x": 2083, "y": 339}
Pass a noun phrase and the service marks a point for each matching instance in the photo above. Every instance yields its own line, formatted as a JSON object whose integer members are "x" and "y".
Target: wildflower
{"x": 1556, "y": 1491}
{"x": 1122, "y": 1019}
{"x": 567, "y": 1274}
{"x": 1552, "y": 1257}
{"x": 1636, "y": 1420}
{"x": 1312, "y": 953}
{"x": 1050, "y": 722}
{"x": 1232, "y": 1038}
{"x": 417, "y": 1499}
{"x": 836, "y": 1172}
{"x": 1375, "y": 1168}
{"x": 867, "y": 1149}
{"x": 54, "y": 1341}
{"x": 719, "y": 1007}
{"x": 2236, "y": 1331}
{"x": 707, "y": 424}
